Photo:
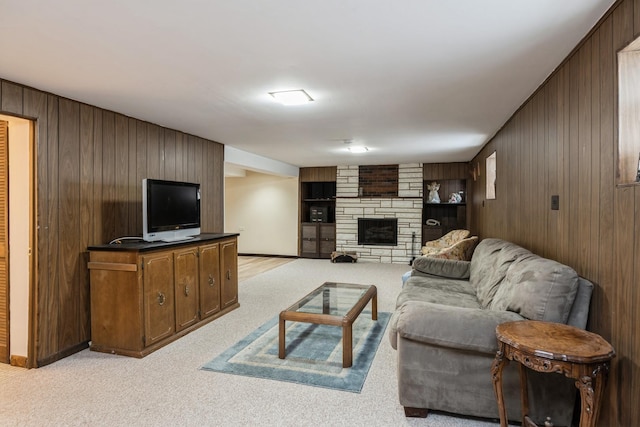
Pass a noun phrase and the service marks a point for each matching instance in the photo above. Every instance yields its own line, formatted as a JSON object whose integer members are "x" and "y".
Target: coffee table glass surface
{"x": 336, "y": 304}
{"x": 334, "y": 299}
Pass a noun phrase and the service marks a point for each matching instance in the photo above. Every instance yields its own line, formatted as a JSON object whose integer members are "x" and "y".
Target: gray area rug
{"x": 313, "y": 353}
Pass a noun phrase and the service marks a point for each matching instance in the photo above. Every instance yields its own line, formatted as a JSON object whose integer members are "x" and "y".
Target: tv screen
{"x": 170, "y": 210}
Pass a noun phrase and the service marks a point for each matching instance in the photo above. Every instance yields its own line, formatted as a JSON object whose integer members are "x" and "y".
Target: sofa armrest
{"x": 453, "y": 269}
{"x": 452, "y": 327}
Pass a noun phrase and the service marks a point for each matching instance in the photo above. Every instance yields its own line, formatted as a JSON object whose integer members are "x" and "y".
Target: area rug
{"x": 314, "y": 353}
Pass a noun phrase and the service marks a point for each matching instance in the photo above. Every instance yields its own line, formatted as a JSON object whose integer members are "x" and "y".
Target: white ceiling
{"x": 414, "y": 80}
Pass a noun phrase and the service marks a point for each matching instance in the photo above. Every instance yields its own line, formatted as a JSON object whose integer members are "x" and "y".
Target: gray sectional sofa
{"x": 444, "y": 324}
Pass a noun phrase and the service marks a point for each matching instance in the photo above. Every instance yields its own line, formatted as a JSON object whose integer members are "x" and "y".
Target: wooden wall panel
{"x": 121, "y": 175}
{"x": 87, "y": 207}
{"x": 170, "y": 154}
{"x": 69, "y": 240}
{"x": 563, "y": 141}
{"x": 47, "y": 344}
{"x": 134, "y": 213}
{"x": 140, "y": 170}
{"x": 11, "y": 98}
{"x": 89, "y": 169}
{"x": 324, "y": 173}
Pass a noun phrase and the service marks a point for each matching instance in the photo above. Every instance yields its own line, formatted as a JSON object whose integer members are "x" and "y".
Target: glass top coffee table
{"x": 336, "y": 304}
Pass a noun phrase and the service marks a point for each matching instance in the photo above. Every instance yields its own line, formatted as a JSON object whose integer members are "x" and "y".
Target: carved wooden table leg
{"x": 524, "y": 394}
{"x": 496, "y": 374}
{"x": 590, "y": 397}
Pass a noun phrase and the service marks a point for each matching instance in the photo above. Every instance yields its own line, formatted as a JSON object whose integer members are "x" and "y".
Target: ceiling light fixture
{"x": 291, "y": 97}
{"x": 358, "y": 149}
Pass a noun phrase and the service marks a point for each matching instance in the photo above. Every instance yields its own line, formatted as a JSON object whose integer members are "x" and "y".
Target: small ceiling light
{"x": 358, "y": 149}
{"x": 291, "y": 97}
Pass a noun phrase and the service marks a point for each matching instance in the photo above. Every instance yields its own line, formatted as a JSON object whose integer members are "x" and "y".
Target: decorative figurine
{"x": 455, "y": 198}
{"x": 433, "y": 188}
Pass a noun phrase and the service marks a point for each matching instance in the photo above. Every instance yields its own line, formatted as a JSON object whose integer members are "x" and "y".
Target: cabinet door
{"x": 229, "y": 270}
{"x": 209, "y": 280}
{"x": 186, "y": 287}
{"x": 159, "y": 318}
{"x": 327, "y": 240}
{"x": 309, "y": 237}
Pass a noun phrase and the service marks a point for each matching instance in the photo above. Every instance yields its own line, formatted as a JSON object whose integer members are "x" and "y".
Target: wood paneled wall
{"x": 90, "y": 164}
{"x": 562, "y": 141}
{"x": 318, "y": 174}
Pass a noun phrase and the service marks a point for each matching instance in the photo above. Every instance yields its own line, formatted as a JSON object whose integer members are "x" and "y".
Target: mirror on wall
{"x": 491, "y": 176}
{"x": 628, "y": 170}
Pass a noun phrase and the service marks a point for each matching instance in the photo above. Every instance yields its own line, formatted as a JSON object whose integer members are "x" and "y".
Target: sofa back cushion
{"x": 489, "y": 264}
{"x": 538, "y": 289}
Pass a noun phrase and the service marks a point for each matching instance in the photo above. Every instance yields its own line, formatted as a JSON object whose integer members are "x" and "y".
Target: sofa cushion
{"x": 443, "y": 291}
{"x": 538, "y": 289}
{"x": 454, "y": 269}
{"x": 489, "y": 264}
{"x": 469, "y": 329}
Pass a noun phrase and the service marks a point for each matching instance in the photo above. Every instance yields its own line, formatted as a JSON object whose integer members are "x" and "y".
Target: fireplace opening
{"x": 378, "y": 231}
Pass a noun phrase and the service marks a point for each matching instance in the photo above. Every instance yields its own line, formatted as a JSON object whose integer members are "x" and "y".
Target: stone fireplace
{"x": 405, "y": 209}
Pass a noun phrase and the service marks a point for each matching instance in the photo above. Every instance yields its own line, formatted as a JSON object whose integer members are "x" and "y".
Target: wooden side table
{"x": 553, "y": 347}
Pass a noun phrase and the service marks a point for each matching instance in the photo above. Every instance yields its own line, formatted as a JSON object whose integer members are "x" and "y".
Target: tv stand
{"x": 145, "y": 295}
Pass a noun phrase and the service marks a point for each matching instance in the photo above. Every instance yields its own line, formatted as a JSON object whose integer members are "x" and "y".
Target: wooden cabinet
{"x": 186, "y": 287}
{"x": 159, "y": 314}
{"x": 209, "y": 280}
{"x": 229, "y": 269}
{"x": 317, "y": 212}
{"x": 145, "y": 295}
{"x": 318, "y": 240}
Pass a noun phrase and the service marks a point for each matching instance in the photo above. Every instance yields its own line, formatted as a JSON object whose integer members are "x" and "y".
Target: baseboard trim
{"x": 62, "y": 354}
{"x": 19, "y": 361}
{"x": 270, "y": 256}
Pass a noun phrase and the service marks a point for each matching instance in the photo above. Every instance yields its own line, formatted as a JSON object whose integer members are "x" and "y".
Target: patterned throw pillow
{"x": 461, "y": 251}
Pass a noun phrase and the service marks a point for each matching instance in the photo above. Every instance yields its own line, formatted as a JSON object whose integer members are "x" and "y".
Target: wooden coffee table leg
{"x": 281, "y": 338}
{"x": 347, "y": 346}
{"x": 374, "y": 307}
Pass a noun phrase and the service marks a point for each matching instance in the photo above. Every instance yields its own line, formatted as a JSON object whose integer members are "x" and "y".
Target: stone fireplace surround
{"x": 407, "y": 208}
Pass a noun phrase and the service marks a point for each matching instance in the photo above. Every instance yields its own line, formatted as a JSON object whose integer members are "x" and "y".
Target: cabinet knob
{"x": 186, "y": 290}
{"x": 161, "y": 298}
{"x": 228, "y": 274}
{"x": 211, "y": 280}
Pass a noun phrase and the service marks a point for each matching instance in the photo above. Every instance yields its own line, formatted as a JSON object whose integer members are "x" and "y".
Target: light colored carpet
{"x": 168, "y": 388}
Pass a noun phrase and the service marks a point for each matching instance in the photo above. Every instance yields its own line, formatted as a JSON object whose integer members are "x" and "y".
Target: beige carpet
{"x": 168, "y": 388}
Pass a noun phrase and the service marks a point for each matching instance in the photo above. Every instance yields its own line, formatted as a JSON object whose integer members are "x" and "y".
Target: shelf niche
{"x": 452, "y": 178}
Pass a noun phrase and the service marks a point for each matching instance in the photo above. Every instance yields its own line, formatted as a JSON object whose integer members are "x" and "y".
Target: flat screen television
{"x": 170, "y": 210}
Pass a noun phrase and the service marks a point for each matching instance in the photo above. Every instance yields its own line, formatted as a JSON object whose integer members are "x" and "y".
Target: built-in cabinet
{"x": 318, "y": 240}
{"x": 145, "y": 295}
{"x": 440, "y": 218}
{"x": 317, "y": 229}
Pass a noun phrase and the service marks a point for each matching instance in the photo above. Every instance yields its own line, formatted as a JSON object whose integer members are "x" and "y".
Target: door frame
{"x": 31, "y": 306}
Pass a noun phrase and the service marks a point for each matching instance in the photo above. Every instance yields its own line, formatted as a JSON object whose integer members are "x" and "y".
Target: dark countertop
{"x": 142, "y": 246}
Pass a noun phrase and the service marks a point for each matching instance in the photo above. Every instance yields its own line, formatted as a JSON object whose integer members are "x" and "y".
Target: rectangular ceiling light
{"x": 291, "y": 97}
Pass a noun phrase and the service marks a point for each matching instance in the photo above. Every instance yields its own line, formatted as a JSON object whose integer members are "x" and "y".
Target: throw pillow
{"x": 538, "y": 289}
